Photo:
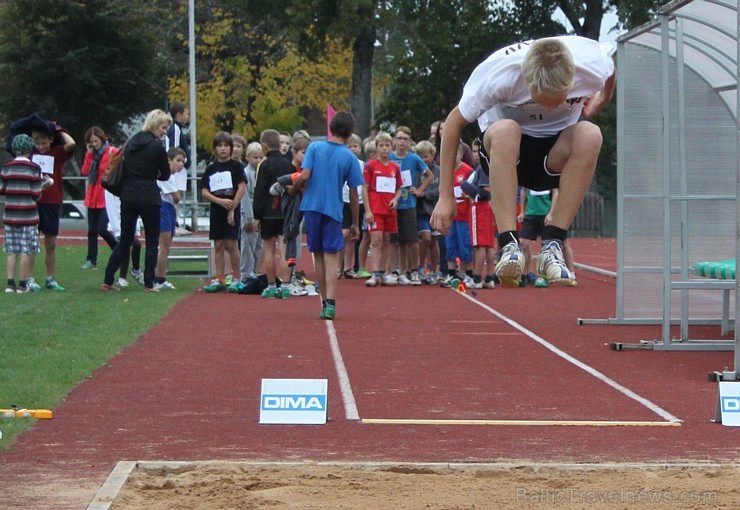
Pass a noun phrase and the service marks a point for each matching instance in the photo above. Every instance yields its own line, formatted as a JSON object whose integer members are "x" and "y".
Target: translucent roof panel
{"x": 707, "y": 31}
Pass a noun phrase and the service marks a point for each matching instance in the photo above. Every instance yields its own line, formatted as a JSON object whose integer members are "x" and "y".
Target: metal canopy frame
{"x": 677, "y": 168}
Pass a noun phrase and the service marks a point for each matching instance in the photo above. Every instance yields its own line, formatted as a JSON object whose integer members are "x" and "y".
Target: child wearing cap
{"x": 21, "y": 182}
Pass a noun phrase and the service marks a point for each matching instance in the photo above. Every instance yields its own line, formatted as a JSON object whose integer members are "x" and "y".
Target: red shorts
{"x": 481, "y": 224}
{"x": 384, "y": 223}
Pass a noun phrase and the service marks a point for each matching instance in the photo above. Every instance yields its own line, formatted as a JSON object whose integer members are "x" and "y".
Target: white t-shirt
{"x": 170, "y": 186}
{"x": 496, "y": 88}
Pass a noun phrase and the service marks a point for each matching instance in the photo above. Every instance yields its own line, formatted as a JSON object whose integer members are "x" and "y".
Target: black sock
{"x": 323, "y": 303}
{"x": 476, "y": 278}
{"x": 451, "y": 272}
{"x": 507, "y": 237}
{"x": 469, "y": 273}
{"x": 22, "y": 284}
{"x": 11, "y": 282}
{"x": 550, "y": 232}
{"x": 331, "y": 302}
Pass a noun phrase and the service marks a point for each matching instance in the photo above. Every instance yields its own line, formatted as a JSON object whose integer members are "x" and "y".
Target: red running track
{"x": 189, "y": 389}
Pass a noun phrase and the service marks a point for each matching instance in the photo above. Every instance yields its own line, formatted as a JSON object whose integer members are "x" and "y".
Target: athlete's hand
{"x": 594, "y": 105}
{"x": 443, "y": 214}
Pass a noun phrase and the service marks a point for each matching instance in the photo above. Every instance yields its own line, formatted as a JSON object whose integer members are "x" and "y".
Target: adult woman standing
{"x": 96, "y": 161}
{"x": 144, "y": 162}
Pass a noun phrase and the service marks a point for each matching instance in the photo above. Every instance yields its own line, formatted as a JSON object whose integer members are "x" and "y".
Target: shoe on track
{"x": 373, "y": 281}
{"x": 328, "y": 312}
{"x": 270, "y": 293}
{"x": 511, "y": 266}
{"x": 215, "y": 286}
{"x": 551, "y": 265}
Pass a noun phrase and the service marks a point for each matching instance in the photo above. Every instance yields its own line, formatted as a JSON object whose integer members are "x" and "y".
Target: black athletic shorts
{"x": 271, "y": 227}
{"x": 532, "y": 227}
{"x": 531, "y": 169}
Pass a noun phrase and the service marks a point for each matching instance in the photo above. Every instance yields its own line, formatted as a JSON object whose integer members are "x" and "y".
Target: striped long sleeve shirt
{"x": 20, "y": 182}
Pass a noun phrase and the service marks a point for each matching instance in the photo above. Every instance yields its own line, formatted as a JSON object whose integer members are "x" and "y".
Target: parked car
{"x": 74, "y": 216}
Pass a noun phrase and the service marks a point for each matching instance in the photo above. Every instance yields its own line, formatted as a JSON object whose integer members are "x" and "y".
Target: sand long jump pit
{"x": 252, "y": 485}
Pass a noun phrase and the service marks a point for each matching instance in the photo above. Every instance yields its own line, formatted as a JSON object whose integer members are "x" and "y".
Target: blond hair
{"x": 425, "y": 147}
{"x": 382, "y": 136}
{"x": 253, "y": 148}
{"x": 369, "y": 149}
{"x": 156, "y": 118}
{"x": 354, "y": 138}
{"x": 548, "y": 67}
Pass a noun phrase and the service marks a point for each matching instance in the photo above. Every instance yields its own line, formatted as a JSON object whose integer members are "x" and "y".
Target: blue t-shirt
{"x": 414, "y": 164}
{"x": 331, "y": 164}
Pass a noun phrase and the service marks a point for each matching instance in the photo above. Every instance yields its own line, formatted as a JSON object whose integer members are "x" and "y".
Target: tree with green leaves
{"x": 81, "y": 63}
{"x": 432, "y": 48}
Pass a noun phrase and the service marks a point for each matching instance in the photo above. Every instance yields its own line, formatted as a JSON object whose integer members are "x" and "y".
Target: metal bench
{"x": 194, "y": 255}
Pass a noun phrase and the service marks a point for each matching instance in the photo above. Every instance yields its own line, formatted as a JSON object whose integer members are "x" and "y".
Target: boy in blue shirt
{"x": 326, "y": 167}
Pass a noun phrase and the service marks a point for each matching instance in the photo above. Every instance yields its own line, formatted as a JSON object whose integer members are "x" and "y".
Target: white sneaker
{"x": 433, "y": 278}
{"x": 138, "y": 275}
{"x": 297, "y": 290}
{"x": 473, "y": 285}
{"x": 489, "y": 284}
{"x": 404, "y": 280}
{"x": 373, "y": 281}
{"x": 122, "y": 282}
{"x": 551, "y": 265}
{"x": 164, "y": 286}
{"x": 389, "y": 280}
{"x": 415, "y": 278}
{"x": 511, "y": 266}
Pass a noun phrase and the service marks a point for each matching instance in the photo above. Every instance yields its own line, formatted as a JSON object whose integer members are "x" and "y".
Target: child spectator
{"x": 381, "y": 192}
{"x": 457, "y": 243}
{"x": 21, "y": 182}
{"x": 428, "y": 245}
{"x": 180, "y": 114}
{"x": 538, "y": 207}
{"x": 291, "y": 207}
{"x": 480, "y": 222}
{"x": 285, "y": 140}
{"x": 168, "y": 216}
{"x": 328, "y": 165}
{"x": 416, "y": 177}
{"x": 251, "y": 243}
{"x": 51, "y": 159}
{"x": 370, "y": 154}
{"x": 223, "y": 186}
{"x": 347, "y": 255}
{"x": 268, "y": 214}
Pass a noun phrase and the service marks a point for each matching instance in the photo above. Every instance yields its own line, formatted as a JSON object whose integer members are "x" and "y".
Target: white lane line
{"x": 348, "y": 397}
{"x": 567, "y": 357}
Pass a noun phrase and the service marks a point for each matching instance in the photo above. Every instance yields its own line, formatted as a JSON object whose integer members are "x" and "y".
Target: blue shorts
{"x": 49, "y": 215}
{"x": 324, "y": 233}
{"x": 457, "y": 242}
{"x": 167, "y": 218}
{"x": 422, "y": 223}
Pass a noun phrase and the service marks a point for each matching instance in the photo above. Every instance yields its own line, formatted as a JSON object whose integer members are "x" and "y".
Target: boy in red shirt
{"x": 457, "y": 242}
{"x": 380, "y": 195}
{"x": 51, "y": 158}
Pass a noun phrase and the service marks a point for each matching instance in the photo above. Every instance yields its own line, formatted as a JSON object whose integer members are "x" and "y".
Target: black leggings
{"x": 97, "y": 224}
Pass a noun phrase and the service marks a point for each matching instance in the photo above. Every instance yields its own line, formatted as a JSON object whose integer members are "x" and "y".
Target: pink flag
{"x": 329, "y": 114}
